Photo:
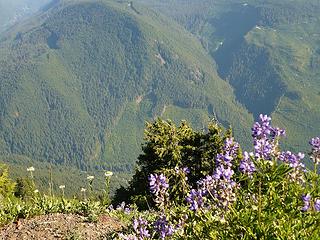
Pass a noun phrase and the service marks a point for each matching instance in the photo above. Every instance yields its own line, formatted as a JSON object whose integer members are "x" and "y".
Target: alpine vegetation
{"x": 266, "y": 193}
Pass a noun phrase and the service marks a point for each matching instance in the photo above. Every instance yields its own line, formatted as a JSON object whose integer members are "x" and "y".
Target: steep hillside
{"x": 267, "y": 50}
{"x": 79, "y": 81}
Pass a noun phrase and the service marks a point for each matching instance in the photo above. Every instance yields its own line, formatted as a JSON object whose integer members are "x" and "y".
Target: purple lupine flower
{"x": 223, "y": 173}
{"x": 315, "y": 143}
{"x": 246, "y": 165}
{"x": 315, "y": 153}
{"x": 186, "y": 170}
{"x": 277, "y": 132}
{"x": 265, "y": 138}
{"x": 223, "y": 194}
{"x": 195, "y": 198}
{"x": 219, "y": 186}
{"x": 317, "y": 205}
{"x": 159, "y": 186}
{"x": 306, "y": 201}
{"x": 230, "y": 152}
{"x": 163, "y": 227}
{"x": 140, "y": 228}
{"x": 158, "y": 183}
{"x": 263, "y": 148}
{"x": 224, "y": 159}
{"x": 231, "y": 147}
{"x": 263, "y": 128}
{"x": 206, "y": 184}
{"x": 293, "y": 160}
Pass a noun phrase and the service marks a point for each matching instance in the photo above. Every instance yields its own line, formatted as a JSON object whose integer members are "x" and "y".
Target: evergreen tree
{"x": 175, "y": 150}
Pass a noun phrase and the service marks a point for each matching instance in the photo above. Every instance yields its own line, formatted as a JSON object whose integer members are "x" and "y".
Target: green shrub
{"x": 6, "y": 185}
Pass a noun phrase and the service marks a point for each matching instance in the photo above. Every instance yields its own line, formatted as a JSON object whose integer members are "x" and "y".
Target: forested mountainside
{"x": 267, "y": 50}
{"x": 79, "y": 80}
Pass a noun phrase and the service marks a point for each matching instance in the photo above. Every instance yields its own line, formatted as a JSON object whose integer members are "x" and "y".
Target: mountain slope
{"x": 79, "y": 80}
{"x": 267, "y": 50}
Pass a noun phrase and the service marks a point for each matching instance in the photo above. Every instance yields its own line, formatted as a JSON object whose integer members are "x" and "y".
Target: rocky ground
{"x": 60, "y": 226}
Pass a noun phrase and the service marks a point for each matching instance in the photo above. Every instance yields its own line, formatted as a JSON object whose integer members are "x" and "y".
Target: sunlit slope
{"x": 79, "y": 81}
{"x": 267, "y": 50}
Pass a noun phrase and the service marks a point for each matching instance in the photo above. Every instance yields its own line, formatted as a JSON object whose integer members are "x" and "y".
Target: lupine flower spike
{"x": 315, "y": 154}
{"x": 158, "y": 186}
{"x": 306, "y": 201}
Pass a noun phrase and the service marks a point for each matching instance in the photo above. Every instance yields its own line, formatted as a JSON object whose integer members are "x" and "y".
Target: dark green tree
{"x": 24, "y": 188}
{"x": 169, "y": 148}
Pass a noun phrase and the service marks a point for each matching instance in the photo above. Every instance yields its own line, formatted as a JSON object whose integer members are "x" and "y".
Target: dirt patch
{"x": 162, "y": 61}
{"x": 139, "y": 99}
{"x": 60, "y": 226}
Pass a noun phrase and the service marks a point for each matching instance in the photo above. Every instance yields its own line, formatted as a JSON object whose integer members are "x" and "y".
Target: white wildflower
{"x": 30, "y": 169}
{"x": 108, "y": 174}
{"x": 90, "y": 178}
